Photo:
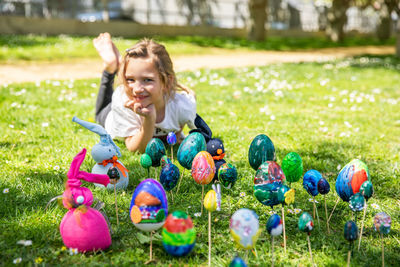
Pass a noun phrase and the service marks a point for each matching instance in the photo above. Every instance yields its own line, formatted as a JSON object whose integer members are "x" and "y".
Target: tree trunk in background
{"x": 398, "y": 38}
{"x": 384, "y": 9}
{"x": 258, "y": 17}
{"x": 337, "y": 18}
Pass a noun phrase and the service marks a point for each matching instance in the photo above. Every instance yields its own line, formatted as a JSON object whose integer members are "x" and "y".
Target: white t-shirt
{"x": 121, "y": 122}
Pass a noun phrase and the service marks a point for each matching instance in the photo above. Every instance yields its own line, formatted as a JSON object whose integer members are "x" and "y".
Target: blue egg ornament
{"x": 310, "y": 181}
{"x": 169, "y": 176}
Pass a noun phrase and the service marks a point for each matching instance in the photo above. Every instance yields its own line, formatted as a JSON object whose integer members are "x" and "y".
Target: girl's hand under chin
{"x": 146, "y": 112}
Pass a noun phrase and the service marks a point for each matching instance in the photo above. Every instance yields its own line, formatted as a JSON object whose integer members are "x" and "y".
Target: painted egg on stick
{"x": 171, "y": 138}
{"x": 267, "y": 182}
{"x": 228, "y": 175}
{"x": 237, "y": 262}
{"x": 356, "y": 202}
{"x": 306, "y": 223}
{"x": 367, "y": 190}
{"x": 203, "y": 168}
{"x": 244, "y": 228}
{"x": 178, "y": 234}
{"x": 149, "y": 206}
{"x": 261, "y": 149}
{"x": 274, "y": 225}
{"x": 350, "y": 231}
{"x": 164, "y": 161}
{"x": 169, "y": 176}
{"x": 189, "y": 148}
{"x": 145, "y": 161}
{"x": 292, "y": 167}
{"x": 350, "y": 179}
{"x": 323, "y": 186}
{"x": 155, "y": 149}
{"x": 310, "y": 182}
{"x": 382, "y": 223}
{"x": 210, "y": 201}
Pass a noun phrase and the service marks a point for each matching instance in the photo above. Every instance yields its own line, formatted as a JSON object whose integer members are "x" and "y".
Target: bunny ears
{"x": 75, "y": 175}
{"x": 105, "y": 138}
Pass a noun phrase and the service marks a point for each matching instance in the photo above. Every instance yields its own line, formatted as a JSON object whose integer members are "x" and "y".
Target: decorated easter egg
{"x": 155, "y": 149}
{"x": 169, "y": 176}
{"x": 367, "y": 190}
{"x": 323, "y": 186}
{"x": 145, "y": 161}
{"x": 305, "y": 223}
{"x": 237, "y": 262}
{"x": 164, "y": 161}
{"x": 310, "y": 181}
{"x": 171, "y": 138}
{"x": 189, "y": 148}
{"x": 210, "y": 201}
{"x": 292, "y": 167}
{"x": 350, "y": 231}
{"x": 350, "y": 179}
{"x": 267, "y": 182}
{"x": 382, "y": 223}
{"x": 178, "y": 234}
{"x": 356, "y": 202}
{"x": 244, "y": 228}
{"x": 149, "y": 206}
{"x": 203, "y": 168}
{"x": 116, "y": 165}
{"x": 228, "y": 175}
{"x": 274, "y": 225}
{"x": 261, "y": 149}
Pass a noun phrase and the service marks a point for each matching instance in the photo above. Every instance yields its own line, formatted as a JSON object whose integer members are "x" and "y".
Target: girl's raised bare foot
{"x": 107, "y": 51}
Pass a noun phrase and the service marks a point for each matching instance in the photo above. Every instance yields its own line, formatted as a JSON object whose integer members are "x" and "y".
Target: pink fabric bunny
{"x": 83, "y": 227}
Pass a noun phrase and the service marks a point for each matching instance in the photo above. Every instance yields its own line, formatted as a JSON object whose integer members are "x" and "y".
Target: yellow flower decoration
{"x": 289, "y": 196}
{"x": 38, "y": 260}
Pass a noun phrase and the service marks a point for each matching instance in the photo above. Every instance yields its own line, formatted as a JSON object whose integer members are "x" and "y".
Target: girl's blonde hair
{"x": 147, "y": 48}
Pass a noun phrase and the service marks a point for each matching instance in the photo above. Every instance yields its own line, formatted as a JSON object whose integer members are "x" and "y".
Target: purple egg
{"x": 171, "y": 138}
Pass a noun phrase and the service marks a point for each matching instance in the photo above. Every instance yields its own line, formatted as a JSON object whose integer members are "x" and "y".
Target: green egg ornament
{"x": 155, "y": 149}
{"x": 145, "y": 161}
{"x": 306, "y": 223}
{"x": 189, "y": 148}
{"x": 261, "y": 149}
{"x": 292, "y": 167}
{"x": 367, "y": 190}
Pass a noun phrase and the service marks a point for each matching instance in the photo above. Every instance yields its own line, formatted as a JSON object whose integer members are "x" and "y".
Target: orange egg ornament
{"x": 203, "y": 168}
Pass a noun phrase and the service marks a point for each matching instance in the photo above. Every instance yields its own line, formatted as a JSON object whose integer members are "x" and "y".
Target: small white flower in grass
{"x": 197, "y": 214}
{"x": 375, "y": 206}
{"x": 28, "y": 178}
{"x": 6, "y": 190}
{"x": 330, "y": 105}
{"x": 242, "y": 194}
{"x": 17, "y": 260}
{"x": 312, "y": 200}
{"x": 56, "y": 168}
{"x": 11, "y": 126}
{"x": 339, "y": 167}
{"x": 93, "y": 85}
{"x": 272, "y": 117}
{"x": 26, "y": 243}
{"x": 14, "y": 104}
{"x": 73, "y": 251}
{"x": 290, "y": 211}
{"x": 297, "y": 211}
{"x": 321, "y": 123}
{"x": 237, "y": 94}
{"x": 323, "y": 129}
{"x": 45, "y": 124}
{"x": 23, "y": 132}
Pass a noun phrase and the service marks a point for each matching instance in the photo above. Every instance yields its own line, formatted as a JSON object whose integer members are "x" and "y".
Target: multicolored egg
{"x": 306, "y": 223}
{"x": 323, "y": 186}
{"x": 178, "y": 234}
{"x": 227, "y": 175}
{"x": 189, "y": 148}
{"x": 367, "y": 190}
{"x": 267, "y": 182}
{"x": 171, "y": 138}
{"x": 382, "y": 223}
{"x": 261, "y": 149}
{"x": 237, "y": 262}
{"x": 203, "y": 168}
{"x": 310, "y": 181}
{"x": 356, "y": 202}
{"x": 210, "y": 201}
{"x": 169, "y": 176}
{"x": 155, "y": 149}
{"x": 244, "y": 228}
{"x": 292, "y": 167}
{"x": 274, "y": 225}
{"x": 350, "y": 179}
{"x": 350, "y": 231}
{"x": 164, "y": 161}
{"x": 149, "y": 205}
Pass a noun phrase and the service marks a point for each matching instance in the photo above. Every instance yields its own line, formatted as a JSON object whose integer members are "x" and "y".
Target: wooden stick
{"x": 172, "y": 154}
{"x": 334, "y": 207}
{"x": 284, "y": 230}
{"x": 116, "y": 205}
{"x": 326, "y": 216}
{"x": 362, "y": 224}
{"x": 309, "y": 248}
{"x": 202, "y": 195}
{"x": 348, "y": 258}
{"x": 209, "y": 238}
{"x": 179, "y": 183}
{"x": 383, "y": 252}
{"x": 272, "y": 251}
{"x": 315, "y": 207}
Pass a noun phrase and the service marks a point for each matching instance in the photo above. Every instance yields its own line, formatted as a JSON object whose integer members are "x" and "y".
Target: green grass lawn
{"x": 17, "y": 48}
{"x": 328, "y": 113}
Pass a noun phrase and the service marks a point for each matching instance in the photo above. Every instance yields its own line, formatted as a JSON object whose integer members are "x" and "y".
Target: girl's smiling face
{"x": 144, "y": 83}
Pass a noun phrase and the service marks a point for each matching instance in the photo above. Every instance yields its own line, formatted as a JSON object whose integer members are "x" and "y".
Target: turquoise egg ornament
{"x": 237, "y": 262}
{"x": 306, "y": 223}
{"x": 261, "y": 149}
{"x": 189, "y": 148}
{"x": 350, "y": 231}
{"x": 155, "y": 149}
{"x": 356, "y": 202}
